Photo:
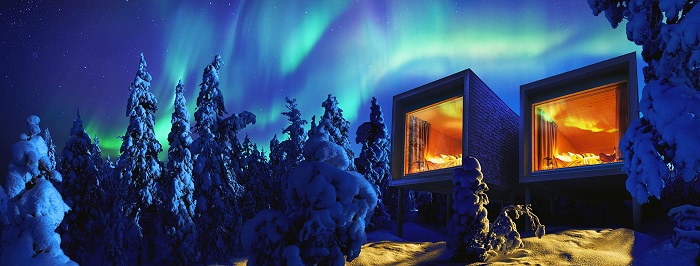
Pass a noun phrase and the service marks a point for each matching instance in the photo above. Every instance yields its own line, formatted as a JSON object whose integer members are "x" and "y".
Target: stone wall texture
{"x": 492, "y": 134}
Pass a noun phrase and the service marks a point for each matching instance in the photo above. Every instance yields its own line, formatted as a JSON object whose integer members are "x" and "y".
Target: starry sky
{"x": 56, "y": 57}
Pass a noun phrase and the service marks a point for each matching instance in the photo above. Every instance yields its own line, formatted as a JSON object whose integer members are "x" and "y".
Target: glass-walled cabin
{"x": 433, "y": 137}
{"x": 579, "y": 129}
{"x": 572, "y": 123}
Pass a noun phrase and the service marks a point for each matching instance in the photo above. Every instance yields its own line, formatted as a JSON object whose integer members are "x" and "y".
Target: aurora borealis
{"x": 58, "y": 57}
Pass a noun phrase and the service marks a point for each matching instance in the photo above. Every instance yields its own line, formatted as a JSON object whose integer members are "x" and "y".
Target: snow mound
{"x": 567, "y": 247}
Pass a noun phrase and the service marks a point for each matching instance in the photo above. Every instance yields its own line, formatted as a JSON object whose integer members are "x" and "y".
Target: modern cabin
{"x": 571, "y": 125}
{"x": 435, "y": 125}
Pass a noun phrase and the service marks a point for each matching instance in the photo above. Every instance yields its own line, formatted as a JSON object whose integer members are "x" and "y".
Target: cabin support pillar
{"x": 399, "y": 213}
{"x": 636, "y": 215}
{"x": 552, "y": 204}
{"x": 449, "y": 208}
{"x": 528, "y": 200}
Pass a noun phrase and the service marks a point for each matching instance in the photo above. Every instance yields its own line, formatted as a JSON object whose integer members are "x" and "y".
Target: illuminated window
{"x": 434, "y": 137}
{"x": 579, "y": 129}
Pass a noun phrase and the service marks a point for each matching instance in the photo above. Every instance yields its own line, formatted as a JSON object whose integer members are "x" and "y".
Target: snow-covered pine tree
{"x": 256, "y": 177}
{"x": 294, "y": 145}
{"x": 277, "y": 167}
{"x": 312, "y": 129}
{"x": 138, "y": 167}
{"x": 373, "y": 162}
{"x": 52, "y": 148}
{"x": 81, "y": 230}
{"x": 285, "y": 156}
{"x": 340, "y": 130}
{"x": 217, "y": 189}
{"x": 469, "y": 227}
{"x": 34, "y": 207}
{"x": 228, "y": 139}
{"x": 51, "y": 154}
{"x": 180, "y": 232}
{"x": 661, "y": 147}
{"x": 97, "y": 157}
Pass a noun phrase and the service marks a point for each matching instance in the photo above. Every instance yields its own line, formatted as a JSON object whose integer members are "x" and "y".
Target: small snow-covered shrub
{"x": 687, "y": 218}
{"x": 504, "y": 236}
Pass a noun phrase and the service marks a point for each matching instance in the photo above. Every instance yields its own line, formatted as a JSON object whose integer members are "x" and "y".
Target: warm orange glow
{"x": 578, "y": 129}
{"x": 434, "y": 136}
{"x": 586, "y": 124}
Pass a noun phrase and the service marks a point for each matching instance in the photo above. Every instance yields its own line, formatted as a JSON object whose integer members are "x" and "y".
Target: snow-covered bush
{"x": 687, "y": 218}
{"x": 82, "y": 229}
{"x": 180, "y": 232}
{"x": 663, "y": 143}
{"x": 327, "y": 209}
{"x": 34, "y": 207}
{"x": 469, "y": 226}
{"x": 373, "y": 162}
{"x": 503, "y": 233}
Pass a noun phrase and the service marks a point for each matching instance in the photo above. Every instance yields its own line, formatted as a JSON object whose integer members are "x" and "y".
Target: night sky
{"x": 58, "y": 57}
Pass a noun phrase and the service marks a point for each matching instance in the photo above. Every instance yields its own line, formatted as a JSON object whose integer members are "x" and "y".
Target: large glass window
{"x": 434, "y": 137}
{"x": 579, "y": 129}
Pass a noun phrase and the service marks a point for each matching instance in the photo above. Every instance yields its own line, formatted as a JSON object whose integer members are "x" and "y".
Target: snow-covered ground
{"x": 560, "y": 246}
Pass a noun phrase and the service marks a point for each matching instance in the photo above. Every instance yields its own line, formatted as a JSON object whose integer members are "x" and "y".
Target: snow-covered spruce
{"x": 34, "y": 207}
{"x": 326, "y": 211}
{"x": 286, "y": 155}
{"x": 139, "y": 171}
{"x": 217, "y": 189}
{"x": 294, "y": 145}
{"x": 469, "y": 226}
{"x": 180, "y": 233}
{"x": 257, "y": 179}
{"x": 662, "y": 144}
{"x": 503, "y": 233}
{"x": 82, "y": 228}
{"x": 373, "y": 162}
{"x": 687, "y": 218}
{"x": 278, "y": 168}
{"x": 339, "y": 128}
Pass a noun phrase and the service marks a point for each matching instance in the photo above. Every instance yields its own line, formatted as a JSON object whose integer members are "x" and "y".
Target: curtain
{"x": 623, "y": 111}
{"x": 546, "y": 141}
{"x": 419, "y": 131}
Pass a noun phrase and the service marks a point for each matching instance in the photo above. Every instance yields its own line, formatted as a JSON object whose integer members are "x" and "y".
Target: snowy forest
{"x": 307, "y": 198}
